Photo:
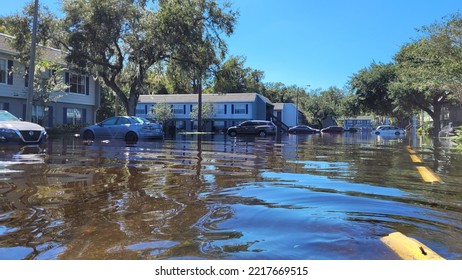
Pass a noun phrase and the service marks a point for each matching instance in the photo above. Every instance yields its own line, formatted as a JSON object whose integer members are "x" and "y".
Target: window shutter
{"x": 50, "y": 116}
{"x": 64, "y": 115}
{"x": 84, "y": 116}
{"x": 66, "y": 80}
{"x": 246, "y": 108}
{"x": 184, "y": 109}
{"x": 26, "y": 78}
{"x": 10, "y": 72}
{"x": 232, "y": 108}
{"x": 87, "y": 85}
{"x": 225, "y": 109}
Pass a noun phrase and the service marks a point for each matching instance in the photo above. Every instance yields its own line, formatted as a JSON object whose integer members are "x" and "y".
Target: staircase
{"x": 282, "y": 126}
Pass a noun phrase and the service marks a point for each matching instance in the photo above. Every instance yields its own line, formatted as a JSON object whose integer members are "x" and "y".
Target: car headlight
{"x": 7, "y": 131}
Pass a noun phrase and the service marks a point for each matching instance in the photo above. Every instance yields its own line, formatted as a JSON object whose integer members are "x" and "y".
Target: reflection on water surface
{"x": 216, "y": 197}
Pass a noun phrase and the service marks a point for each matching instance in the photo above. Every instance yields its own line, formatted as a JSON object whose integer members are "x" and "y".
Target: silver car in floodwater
{"x": 389, "y": 130}
{"x": 123, "y": 127}
{"x": 14, "y": 130}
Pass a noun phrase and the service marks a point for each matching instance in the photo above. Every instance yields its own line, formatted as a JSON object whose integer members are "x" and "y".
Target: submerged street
{"x": 316, "y": 197}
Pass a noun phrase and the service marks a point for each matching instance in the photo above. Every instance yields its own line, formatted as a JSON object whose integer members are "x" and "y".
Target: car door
{"x": 102, "y": 130}
{"x": 120, "y": 128}
{"x": 248, "y": 127}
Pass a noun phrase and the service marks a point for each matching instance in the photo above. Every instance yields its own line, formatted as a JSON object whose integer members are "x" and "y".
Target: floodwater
{"x": 322, "y": 197}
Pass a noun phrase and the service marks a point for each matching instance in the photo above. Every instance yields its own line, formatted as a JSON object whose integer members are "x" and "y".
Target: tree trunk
{"x": 436, "y": 119}
{"x": 118, "y": 92}
{"x": 132, "y": 102}
{"x": 197, "y": 86}
{"x": 199, "y": 109}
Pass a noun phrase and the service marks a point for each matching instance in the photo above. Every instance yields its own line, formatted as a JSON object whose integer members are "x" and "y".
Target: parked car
{"x": 123, "y": 127}
{"x": 333, "y": 129}
{"x": 351, "y": 130}
{"x": 388, "y": 130}
{"x": 448, "y": 131}
{"x": 14, "y": 130}
{"x": 303, "y": 129}
{"x": 255, "y": 127}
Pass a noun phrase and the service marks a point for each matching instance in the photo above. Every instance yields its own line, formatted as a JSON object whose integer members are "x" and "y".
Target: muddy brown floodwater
{"x": 216, "y": 197}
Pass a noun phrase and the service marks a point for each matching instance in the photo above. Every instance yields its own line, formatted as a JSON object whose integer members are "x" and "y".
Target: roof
{"x": 366, "y": 118}
{"x": 48, "y": 53}
{"x": 280, "y": 106}
{"x": 192, "y": 98}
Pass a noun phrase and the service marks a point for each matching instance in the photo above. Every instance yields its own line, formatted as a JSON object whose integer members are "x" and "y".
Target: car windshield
{"x": 7, "y": 117}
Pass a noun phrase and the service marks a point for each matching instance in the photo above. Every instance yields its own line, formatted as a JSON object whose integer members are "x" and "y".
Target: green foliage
{"x": 233, "y": 77}
{"x": 207, "y": 112}
{"x": 121, "y": 40}
{"x": 429, "y": 72}
{"x": 49, "y": 85}
{"x": 114, "y": 39}
{"x": 109, "y": 105}
{"x": 65, "y": 128}
{"x": 162, "y": 113}
{"x": 194, "y": 30}
{"x": 20, "y": 27}
{"x": 371, "y": 88}
{"x": 331, "y": 102}
{"x": 458, "y": 138}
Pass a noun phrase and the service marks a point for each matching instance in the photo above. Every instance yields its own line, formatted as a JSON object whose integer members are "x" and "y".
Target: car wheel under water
{"x": 262, "y": 133}
{"x": 232, "y": 133}
{"x": 88, "y": 135}
{"x": 131, "y": 137}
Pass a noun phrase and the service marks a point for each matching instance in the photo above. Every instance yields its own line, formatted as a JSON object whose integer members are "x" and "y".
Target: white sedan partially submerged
{"x": 14, "y": 130}
{"x": 388, "y": 130}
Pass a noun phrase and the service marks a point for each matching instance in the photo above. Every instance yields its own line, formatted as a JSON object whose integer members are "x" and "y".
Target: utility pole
{"x": 30, "y": 92}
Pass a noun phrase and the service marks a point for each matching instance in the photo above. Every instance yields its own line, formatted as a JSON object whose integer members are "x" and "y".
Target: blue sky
{"x": 318, "y": 43}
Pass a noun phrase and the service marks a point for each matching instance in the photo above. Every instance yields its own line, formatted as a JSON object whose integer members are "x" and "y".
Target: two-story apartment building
{"x": 288, "y": 113}
{"x": 228, "y": 109}
{"x": 77, "y": 105}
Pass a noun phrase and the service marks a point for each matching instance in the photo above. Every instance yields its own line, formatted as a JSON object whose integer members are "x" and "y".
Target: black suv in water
{"x": 255, "y": 127}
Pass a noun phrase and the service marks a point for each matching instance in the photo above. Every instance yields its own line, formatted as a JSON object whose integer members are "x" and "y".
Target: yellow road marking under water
{"x": 409, "y": 248}
{"x": 428, "y": 175}
{"x": 415, "y": 158}
{"x": 410, "y": 150}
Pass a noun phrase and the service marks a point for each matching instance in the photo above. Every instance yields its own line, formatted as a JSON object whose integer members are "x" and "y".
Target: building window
{"x": 141, "y": 109}
{"x": 219, "y": 109}
{"x": 77, "y": 83}
{"x": 73, "y": 116}
{"x": 240, "y": 109}
{"x": 3, "y": 71}
{"x": 178, "y": 109}
{"x": 4, "y": 106}
{"x": 38, "y": 114}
